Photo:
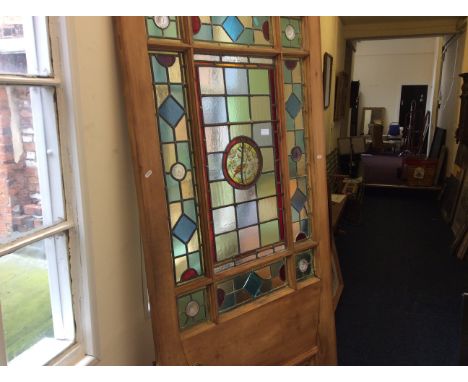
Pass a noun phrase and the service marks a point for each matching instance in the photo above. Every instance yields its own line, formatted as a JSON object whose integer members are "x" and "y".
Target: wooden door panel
{"x": 269, "y": 331}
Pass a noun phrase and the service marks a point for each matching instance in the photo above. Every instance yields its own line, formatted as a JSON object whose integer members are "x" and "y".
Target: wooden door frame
{"x": 132, "y": 46}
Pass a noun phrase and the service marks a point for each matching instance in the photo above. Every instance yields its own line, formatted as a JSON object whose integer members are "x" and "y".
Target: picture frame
{"x": 327, "y": 79}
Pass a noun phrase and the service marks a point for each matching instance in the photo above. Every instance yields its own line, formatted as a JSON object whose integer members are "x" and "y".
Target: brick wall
{"x": 20, "y": 208}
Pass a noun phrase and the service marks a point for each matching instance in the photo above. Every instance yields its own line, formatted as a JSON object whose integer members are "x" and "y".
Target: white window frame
{"x": 78, "y": 344}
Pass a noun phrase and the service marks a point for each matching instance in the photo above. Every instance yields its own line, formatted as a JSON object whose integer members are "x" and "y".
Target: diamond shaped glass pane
{"x": 184, "y": 228}
{"x": 171, "y": 111}
{"x": 298, "y": 200}
{"x": 233, "y": 27}
{"x": 293, "y": 105}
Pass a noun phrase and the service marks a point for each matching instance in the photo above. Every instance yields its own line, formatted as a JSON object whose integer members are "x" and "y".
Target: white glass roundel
{"x": 161, "y": 21}
{"x": 192, "y": 309}
{"x": 303, "y": 265}
{"x": 290, "y": 32}
{"x": 178, "y": 171}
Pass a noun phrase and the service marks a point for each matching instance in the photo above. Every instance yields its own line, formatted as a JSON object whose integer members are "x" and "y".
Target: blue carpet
{"x": 401, "y": 303}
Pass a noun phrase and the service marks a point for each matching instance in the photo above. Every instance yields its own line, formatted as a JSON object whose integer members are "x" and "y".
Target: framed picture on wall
{"x": 327, "y": 78}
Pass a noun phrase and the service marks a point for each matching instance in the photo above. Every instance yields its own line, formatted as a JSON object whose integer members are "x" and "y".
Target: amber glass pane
{"x": 251, "y": 285}
{"x": 243, "y": 179}
{"x": 173, "y": 126}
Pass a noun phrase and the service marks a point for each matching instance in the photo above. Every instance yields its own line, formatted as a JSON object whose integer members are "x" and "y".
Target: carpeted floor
{"x": 401, "y": 303}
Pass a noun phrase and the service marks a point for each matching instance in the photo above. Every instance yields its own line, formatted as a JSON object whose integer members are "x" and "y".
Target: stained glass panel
{"x": 245, "y": 200}
{"x": 192, "y": 309}
{"x": 297, "y": 149}
{"x": 243, "y": 30}
{"x": 251, "y": 285}
{"x": 162, "y": 27}
{"x": 291, "y": 32}
{"x": 305, "y": 266}
{"x": 173, "y": 125}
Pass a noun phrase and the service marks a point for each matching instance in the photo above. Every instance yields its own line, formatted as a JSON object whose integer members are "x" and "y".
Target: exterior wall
{"x": 383, "y": 66}
{"x": 333, "y": 43}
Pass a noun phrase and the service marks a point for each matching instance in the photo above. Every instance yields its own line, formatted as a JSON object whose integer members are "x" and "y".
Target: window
{"x": 36, "y": 223}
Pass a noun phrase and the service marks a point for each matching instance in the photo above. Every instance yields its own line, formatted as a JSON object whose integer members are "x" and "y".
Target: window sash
{"x": 59, "y": 269}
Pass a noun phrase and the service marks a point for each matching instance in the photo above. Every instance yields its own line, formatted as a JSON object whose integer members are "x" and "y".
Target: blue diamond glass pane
{"x": 233, "y": 27}
{"x": 171, "y": 111}
{"x": 293, "y": 105}
{"x": 184, "y": 228}
{"x": 298, "y": 200}
{"x": 253, "y": 284}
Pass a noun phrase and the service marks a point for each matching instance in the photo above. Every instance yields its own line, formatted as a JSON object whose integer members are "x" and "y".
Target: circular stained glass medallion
{"x": 242, "y": 162}
{"x": 303, "y": 265}
{"x": 290, "y": 32}
{"x": 296, "y": 153}
{"x": 192, "y": 309}
{"x": 161, "y": 21}
{"x": 178, "y": 171}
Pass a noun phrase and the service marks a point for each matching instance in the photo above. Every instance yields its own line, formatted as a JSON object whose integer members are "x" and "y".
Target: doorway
{"x": 410, "y": 93}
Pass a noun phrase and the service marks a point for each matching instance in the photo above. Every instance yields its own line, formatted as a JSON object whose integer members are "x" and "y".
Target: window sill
{"x": 41, "y": 353}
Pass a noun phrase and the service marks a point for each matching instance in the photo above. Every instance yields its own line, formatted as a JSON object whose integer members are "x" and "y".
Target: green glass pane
{"x": 284, "y": 40}
{"x": 173, "y": 190}
{"x": 166, "y": 132}
{"x": 182, "y": 302}
{"x": 267, "y": 209}
{"x": 153, "y": 30}
{"x": 269, "y": 232}
{"x": 263, "y": 134}
{"x": 294, "y": 214}
{"x": 297, "y": 89}
{"x": 292, "y": 167}
{"x": 258, "y": 81}
{"x": 289, "y": 122}
{"x": 260, "y": 107}
{"x": 266, "y": 185}
{"x": 238, "y": 109}
{"x": 218, "y": 20}
{"x": 226, "y": 246}
{"x": 171, "y": 30}
{"x": 159, "y": 71}
{"x": 178, "y": 248}
{"x": 205, "y": 33}
{"x": 183, "y": 154}
{"x": 221, "y": 194}
{"x": 247, "y": 37}
{"x": 194, "y": 262}
{"x": 177, "y": 92}
{"x": 302, "y": 184}
{"x": 238, "y": 130}
{"x": 268, "y": 159}
{"x": 189, "y": 209}
{"x": 287, "y": 75}
{"x": 300, "y": 139}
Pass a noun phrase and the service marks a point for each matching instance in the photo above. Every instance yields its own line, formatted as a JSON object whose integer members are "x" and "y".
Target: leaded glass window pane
{"x": 297, "y": 149}
{"x": 291, "y": 32}
{"x": 242, "y": 30}
{"x": 241, "y": 144}
{"x": 163, "y": 27}
{"x": 173, "y": 121}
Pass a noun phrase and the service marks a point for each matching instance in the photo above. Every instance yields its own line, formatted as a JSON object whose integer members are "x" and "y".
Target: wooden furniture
{"x": 291, "y": 325}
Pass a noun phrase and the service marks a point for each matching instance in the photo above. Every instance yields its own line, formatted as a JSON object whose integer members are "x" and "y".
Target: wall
{"x": 383, "y": 66}
{"x": 454, "y": 63}
{"x": 332, "y": 42}
{"x": 123, "y": 334}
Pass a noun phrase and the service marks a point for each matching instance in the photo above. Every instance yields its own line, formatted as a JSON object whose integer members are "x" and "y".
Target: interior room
{"x": 233, "y": 190}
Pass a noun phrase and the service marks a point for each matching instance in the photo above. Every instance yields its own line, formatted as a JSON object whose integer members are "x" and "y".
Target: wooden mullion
{"x": 280, "y": 102}
{"x": 193, "y": 285}
{"x": 137, "y": 83}
{"x": 233, "y": 49}
{"x": 201, "y": 175}
{"x": 327, "y": 335}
